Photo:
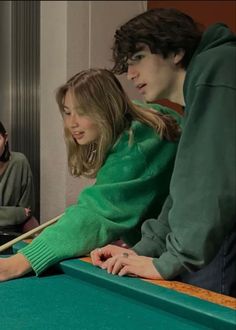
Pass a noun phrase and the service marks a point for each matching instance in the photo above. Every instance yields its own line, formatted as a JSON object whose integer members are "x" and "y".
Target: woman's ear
{"x": 179, "y": 56}
{"x": 6, "y": 138}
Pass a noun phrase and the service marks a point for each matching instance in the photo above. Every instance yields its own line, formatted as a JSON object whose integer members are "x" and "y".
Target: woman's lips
{"x": 78, "y": 136}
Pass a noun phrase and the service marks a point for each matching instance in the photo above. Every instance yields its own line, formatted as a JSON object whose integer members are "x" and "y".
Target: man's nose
{"x": 131, "y": 73}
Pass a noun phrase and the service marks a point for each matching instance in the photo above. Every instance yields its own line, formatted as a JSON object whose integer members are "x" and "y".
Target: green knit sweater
{"x": 200, "y": 211}
{"x": 16, "y": 191}
{"x": 131, "y": 185}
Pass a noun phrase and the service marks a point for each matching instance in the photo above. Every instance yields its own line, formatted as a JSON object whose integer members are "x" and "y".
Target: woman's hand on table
{"x": 13, "y": 267}
{"x": 121, "y": 261}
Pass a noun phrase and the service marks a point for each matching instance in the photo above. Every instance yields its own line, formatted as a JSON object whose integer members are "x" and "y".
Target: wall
{"x": 5, "y": 63}
{"x": 53, "y": 71}
{"x": 205, "y": 12}
{"x": 75, "y": 35}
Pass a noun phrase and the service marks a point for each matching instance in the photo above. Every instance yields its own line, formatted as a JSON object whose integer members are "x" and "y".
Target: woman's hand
{"x": 132, "y": 265}
{"x": 13, "y": 267}
{"x": 27, "y": 212}
{"x": 100, "y": 255}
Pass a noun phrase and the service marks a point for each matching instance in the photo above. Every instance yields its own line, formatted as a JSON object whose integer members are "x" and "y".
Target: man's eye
{"x": 134, "y": 59}
{"x": 137, "y": 57}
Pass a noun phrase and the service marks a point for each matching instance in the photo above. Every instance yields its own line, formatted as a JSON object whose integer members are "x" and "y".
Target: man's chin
{"x": 149, "y": 98}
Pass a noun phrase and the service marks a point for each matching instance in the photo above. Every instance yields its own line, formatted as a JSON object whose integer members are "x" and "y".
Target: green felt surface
{"x": 85, "y": 297}
{"x": 62, "y": 302}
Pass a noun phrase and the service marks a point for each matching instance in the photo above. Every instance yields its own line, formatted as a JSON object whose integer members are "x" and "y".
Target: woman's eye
{"x": 66, "y": 112}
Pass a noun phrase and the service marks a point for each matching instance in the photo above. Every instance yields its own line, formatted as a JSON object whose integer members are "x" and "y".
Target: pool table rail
{"x": 206, "y": 313}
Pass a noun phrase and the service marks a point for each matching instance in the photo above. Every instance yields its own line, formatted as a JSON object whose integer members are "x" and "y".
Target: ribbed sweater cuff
{"x": 39, "y": 255}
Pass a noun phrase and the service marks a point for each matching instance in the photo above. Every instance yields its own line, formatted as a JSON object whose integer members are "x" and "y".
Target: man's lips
{"x": 141, "y": 87}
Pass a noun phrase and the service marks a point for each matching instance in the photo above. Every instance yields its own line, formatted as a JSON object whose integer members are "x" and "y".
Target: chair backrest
{"x": 29, "y": 224}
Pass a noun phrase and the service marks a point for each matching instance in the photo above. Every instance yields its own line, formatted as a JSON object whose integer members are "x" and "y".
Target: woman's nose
{"x": 74, "y": 120}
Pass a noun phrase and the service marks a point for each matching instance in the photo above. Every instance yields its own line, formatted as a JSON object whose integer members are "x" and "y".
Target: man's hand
{"x": 121, "y": 261}
{"x": 132, "y": 265}
{"x": 100, "y": 255}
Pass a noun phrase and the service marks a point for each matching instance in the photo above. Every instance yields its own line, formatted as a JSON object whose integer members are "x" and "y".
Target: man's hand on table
{"x": 121, "y": 261}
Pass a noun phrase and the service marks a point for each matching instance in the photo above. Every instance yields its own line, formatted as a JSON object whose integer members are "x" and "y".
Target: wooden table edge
{"x": 190, "y": 290}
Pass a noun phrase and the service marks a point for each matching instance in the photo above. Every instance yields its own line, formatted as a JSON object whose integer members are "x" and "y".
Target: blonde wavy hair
{"x": 99, "y": 95}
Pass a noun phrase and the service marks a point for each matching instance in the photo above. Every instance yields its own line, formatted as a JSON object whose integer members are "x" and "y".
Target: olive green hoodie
{"x": 16, "y": 191}
{"x": 200, "y": 210}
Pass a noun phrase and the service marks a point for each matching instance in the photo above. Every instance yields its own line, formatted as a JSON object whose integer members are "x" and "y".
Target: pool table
{"x": 77, "y": 295}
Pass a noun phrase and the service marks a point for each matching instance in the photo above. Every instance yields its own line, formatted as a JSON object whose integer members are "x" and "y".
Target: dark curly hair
{"x": 165, "y": 31}
{"x": 6, "y": 153}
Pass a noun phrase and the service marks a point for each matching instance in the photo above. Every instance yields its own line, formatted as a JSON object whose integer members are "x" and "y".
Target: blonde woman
{"x": 128, "y": 148}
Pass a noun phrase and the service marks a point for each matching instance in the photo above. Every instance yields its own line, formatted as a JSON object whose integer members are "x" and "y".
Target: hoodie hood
{"x": 216, "y": 35}
{"x": 213, "y": 63}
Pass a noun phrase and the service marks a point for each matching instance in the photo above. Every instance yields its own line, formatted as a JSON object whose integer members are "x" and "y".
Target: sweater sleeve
{"x": 27, "y": 198}
{"x": 114, "y": 207}
{"x": 12, "y": 215}
{"x": 203, "y": 186}
{"x": 17, "y": 191}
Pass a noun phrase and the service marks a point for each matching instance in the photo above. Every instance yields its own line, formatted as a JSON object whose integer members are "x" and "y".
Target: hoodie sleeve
{"x": 12, "y": 215}
{"x": 27, "y": 198}
{"x": 203, "y": 185}
{"x": 154, "y": 232}
{"x": 17, "y": 191}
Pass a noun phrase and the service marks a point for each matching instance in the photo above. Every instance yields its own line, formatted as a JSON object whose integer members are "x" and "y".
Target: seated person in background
{"x": 16, "y": 190}
{"x": 128, "y": 148}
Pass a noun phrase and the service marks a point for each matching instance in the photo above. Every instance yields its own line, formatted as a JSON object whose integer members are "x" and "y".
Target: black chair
{"x": 6, "y": 237}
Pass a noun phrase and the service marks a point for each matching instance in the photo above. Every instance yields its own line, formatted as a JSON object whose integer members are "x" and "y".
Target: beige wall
{"x": 5, "y": 64}
{"x": 75, "y": 35}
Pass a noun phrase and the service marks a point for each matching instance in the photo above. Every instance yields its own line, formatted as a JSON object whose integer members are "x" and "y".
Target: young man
{"x": 166, "y": 55}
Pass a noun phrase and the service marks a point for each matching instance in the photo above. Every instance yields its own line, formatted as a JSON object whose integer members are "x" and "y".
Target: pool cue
{"x": 28, "y": 233}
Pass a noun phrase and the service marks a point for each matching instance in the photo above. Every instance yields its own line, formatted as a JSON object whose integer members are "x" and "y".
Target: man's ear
{"x": 179, "y": 56}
